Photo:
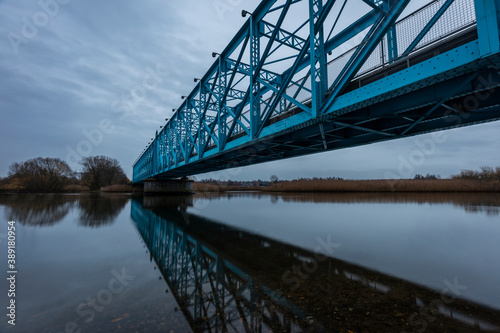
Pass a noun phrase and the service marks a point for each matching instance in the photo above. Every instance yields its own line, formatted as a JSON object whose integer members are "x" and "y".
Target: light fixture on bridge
{"x": 196, "y": 79}
{"x": 215, "y": 54}
{"x": 173, "y": 110}
{"x": 166, "y": 119}
{"x": 244, "y": 13}
{"x": 161, "y": 126}
{"x": 183, "y": 97}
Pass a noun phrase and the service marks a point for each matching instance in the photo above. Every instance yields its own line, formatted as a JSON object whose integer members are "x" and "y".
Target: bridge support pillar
{"x": 168, "y": 186}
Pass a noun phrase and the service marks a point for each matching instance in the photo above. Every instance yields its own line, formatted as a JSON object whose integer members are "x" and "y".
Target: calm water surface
{"x": 243, "y": 262}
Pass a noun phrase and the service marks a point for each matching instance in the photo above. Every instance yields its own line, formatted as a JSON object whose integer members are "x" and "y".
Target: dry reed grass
{"x": 75, "y": 188}
{"x": 385, "y": 185}
{"x": 121, "y": 188}
{"x": 203, "y": 187}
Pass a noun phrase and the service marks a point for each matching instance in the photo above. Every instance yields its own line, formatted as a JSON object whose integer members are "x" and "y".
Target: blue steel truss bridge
{"x": 308, "y": 76}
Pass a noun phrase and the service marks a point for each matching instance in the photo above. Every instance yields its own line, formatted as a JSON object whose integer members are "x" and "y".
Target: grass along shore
{"x": 378, "y": 185}
{"x": 319, "y": 186}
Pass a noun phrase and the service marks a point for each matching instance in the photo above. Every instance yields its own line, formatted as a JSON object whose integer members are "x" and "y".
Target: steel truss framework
{"x": 226, "y": 279}
{"x": 298, "y": 78}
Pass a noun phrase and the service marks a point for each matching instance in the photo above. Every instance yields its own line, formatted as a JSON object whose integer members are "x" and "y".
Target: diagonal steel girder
{"x": 374, "y": 4}
{"x": 303, "y": 59}
{"x": 371, "y": 40}
{"x": 428, "y": 27}
{"x": 287, "y": 38}
{"x": 257, "y": 72}
{"x": 298, "y": 62}
{"x": 441, "y": 102}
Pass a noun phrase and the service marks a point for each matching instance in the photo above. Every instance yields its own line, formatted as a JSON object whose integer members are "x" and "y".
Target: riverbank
{"x": 81, "y": 189}
{"x": 322, "y": 185}
{"x": 378, "y": 185}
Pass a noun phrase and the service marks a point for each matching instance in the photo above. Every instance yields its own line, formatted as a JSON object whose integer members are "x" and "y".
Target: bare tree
{"x": 487, "y": 174}
{"x": 41, "y": 174}
{"x": 100, "y": 171}
{"x": 274, "y": 179}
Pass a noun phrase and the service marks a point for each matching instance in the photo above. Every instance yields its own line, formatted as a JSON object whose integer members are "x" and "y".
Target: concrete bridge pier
{"x": 168, "y": 186}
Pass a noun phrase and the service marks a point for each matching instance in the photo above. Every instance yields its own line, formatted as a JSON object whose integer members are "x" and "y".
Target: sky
{"x": 67, "y": 66}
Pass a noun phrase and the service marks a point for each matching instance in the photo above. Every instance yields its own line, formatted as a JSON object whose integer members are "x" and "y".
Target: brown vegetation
{"x": 385, "y": 185}
{"x": 485, "y": 180}
{"x": 121, "y": 188}
{"x": 102, "y": 171}
{"x": 380, "y": 185}
{"x": 75, "y": 188}
{"x": 42, "y": 175}
{"x": 204, "y": 187}
{"x": 486, "y": 174}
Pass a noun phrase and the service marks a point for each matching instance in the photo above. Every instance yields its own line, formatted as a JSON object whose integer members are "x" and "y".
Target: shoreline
{"x": 363, "y": 186}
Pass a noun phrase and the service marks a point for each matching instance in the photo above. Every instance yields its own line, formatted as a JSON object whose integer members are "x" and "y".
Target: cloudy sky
{"x": 66, "y": 66}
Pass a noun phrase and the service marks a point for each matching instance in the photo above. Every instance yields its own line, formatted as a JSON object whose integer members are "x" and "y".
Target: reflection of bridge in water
{"x": 226, "y": 279}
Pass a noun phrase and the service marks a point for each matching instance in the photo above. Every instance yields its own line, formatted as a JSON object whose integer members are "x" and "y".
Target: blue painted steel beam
{"x": 488, "y": 25}
{"x": 379, "y": 29}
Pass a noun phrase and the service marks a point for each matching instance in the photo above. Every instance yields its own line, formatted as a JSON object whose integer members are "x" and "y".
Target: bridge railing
{"x": 458, "y": 17}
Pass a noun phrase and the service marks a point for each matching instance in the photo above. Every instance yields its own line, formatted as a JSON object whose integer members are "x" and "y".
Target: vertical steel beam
{"x": 201, "y": 129}
{"x": 189, "y": 127}
{"x": 319, "y": 74}
{"x": 168, "y": 148}
{"x": 222, "y": 124}
{"x": 372, "y": 39}
{"x": 161, "y": 151}
{"x": 176, "y": 139}
{"x": 254, "y": 84}
{"x": 487, "y": 16}
{"x": 392, "y": 42}
{"x": 156, "y": 153}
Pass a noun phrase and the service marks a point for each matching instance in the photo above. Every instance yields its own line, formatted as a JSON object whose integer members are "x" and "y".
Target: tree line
{"x": 46, "y": 174}
{"x": 485, "y": 173}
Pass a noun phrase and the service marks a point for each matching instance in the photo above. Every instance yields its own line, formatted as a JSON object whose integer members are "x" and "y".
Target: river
{"x": 252, "y": 262}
